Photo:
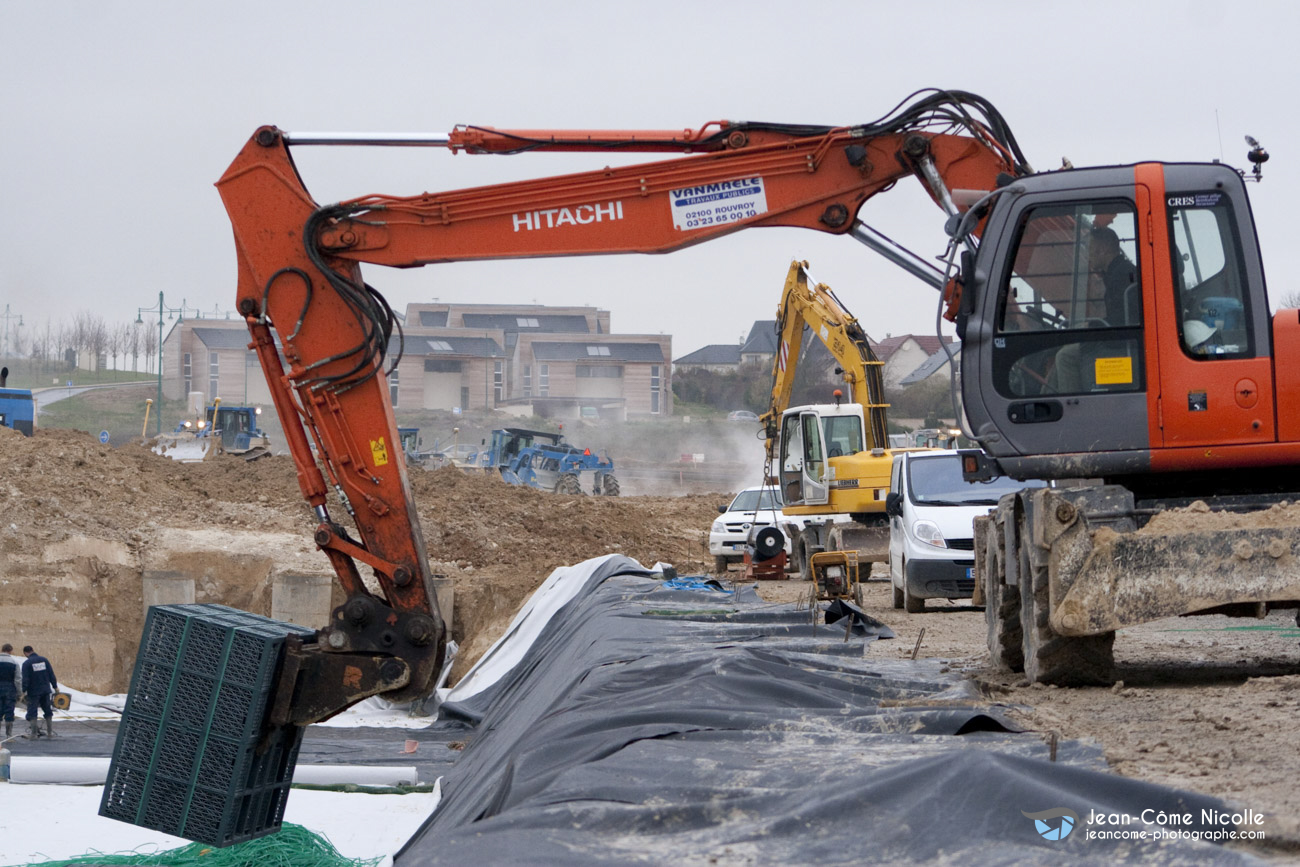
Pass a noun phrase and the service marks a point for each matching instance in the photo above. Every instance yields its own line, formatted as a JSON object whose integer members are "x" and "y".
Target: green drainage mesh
{"x": 292, "y": 846}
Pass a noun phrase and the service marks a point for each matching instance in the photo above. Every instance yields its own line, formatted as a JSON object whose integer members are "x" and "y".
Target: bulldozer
{"x": 215, "y": 430}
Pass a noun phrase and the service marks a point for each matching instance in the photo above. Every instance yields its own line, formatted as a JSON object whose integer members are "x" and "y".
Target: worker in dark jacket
{"x": 1118, "y": 276}
{"x": 11, "y": 686}
{"x": 40, "y": 685}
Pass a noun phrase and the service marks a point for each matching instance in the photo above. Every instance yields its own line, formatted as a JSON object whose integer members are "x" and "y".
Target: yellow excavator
{"x": 831, "y": 461}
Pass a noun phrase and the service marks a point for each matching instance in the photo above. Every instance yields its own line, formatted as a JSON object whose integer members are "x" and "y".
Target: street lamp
{"x": 218, "y": 313}
{"x": 7, "y": 317}
{"x": 139, "y": 320}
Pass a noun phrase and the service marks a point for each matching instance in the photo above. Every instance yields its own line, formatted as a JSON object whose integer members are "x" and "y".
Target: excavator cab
{"x": 1120, "y": 314}
{"x": 811, "y": 438}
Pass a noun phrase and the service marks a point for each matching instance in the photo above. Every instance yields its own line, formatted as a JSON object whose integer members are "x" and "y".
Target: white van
{"x": 931, "y": 514}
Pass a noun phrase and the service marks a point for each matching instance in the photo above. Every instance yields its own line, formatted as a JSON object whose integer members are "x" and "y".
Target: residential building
{"x": 760, "y": 346}
{"x": 716, "y": 357}
{"x": 936, "y": 365}
{"x": 904, "y": 353}
{"x": 524, "y": 359}
{"x": 211, "y": 356}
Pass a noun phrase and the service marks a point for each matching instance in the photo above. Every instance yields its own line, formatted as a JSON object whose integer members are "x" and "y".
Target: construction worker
{"x": 11, "y": 686}
{"x": 40, "y": 685}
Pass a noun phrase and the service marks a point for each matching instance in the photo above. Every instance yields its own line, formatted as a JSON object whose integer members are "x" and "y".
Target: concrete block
{"x": 165, "y": 587}
{"x": 444, "y": 591}
{"x": 301, "y": 599}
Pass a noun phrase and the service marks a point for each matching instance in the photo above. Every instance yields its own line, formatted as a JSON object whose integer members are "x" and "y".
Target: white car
{"x": 752, "y": 507}
{"x": 931, "y": 515}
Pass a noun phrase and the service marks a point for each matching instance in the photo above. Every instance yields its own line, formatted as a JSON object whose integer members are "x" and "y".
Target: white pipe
{"x": 361, "y": 775}
{"x": 93, "y": 771}
{"x": 71, "y": 771}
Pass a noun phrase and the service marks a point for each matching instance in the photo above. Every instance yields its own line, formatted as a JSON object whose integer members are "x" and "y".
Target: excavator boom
{"x": 1114, "y": 320}
{"x": 323, "y": 335}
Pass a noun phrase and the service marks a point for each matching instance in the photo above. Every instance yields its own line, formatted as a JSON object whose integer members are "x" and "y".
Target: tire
{"x": 794, "y": 563}
{"x": 805, "y": 561}
{"x": 720, "y": 565}
{"x": 857, "y": 594}
{"x": 898, "y": 594}
{"x": 610, "y": 487}
{"x": 569, "y": 484}
{"x": 1049, "y": 657}
{"x": 805, "y": 556}
{"x": 768, "y": 542}
{"x": 1001, "y": 607}
{"x": 911, "y": 604}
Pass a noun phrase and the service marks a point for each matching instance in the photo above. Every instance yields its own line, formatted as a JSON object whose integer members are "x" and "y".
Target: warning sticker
{"x": 379, "y": 452}
{"x": 1114, "y": 371}
{"x": 718, "y": 204}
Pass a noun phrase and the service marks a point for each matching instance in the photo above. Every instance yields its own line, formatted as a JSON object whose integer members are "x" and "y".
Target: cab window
{"x": 1209, "y": 285}
{"x": 812, "y": 446}
{"x": 1070, "y": 308}
{"x": 843, "y": 435}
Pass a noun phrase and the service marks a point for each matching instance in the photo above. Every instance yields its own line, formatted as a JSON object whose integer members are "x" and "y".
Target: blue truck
{"x": 17, "y": 406}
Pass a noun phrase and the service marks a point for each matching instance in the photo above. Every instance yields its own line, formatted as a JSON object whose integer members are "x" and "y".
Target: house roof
{"x": 578, "y": 351}
{"x": 762, "y": 338}
{"x": 474, "y": 347}
{"x": 528, "y": 322}
{"x": 714, "y": 353}
{"x": 890, "y": 345}
{"x": 929, "y": 367}
{"x": 224, "y": 338}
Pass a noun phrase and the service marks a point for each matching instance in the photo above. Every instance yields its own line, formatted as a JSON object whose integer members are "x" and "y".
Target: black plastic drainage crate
{"x": 186, "y": 760}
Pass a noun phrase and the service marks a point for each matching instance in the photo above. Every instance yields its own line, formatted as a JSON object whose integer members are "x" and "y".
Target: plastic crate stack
{"x": 187, "y": 761}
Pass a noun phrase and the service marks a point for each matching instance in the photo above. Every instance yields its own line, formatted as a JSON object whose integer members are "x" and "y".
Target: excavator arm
{"x": 322, "y": 334}
{"x": 818, "y": 309}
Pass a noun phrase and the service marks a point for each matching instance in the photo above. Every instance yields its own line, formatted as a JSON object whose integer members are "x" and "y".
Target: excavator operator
{"x": 1106, "y": 259}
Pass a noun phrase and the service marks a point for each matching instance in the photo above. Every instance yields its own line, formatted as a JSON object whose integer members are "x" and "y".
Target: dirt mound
{"x": 62, "y": 483}
{"x": 496, "y": 542}
{"x": 1198, "y": 518}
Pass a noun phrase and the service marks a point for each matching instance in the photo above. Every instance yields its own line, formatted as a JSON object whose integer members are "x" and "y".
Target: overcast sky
{"x": 117, "y": 117}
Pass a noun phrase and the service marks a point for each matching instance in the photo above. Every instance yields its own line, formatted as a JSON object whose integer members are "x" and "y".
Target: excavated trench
{"x": 91, "y": 534}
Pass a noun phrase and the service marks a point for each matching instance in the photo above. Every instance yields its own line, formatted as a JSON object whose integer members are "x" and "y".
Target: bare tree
{"x": 125, "y": 331}
{"x": 97, "y": 339}
{"x": 1290, "y": 301}
{"x": 79, "y": 336}
{"x": 113, "y": 343}
{"x": 149, "y": 343}
{"x": 65, "y": 340}
{"x": 132, "y": 348}
{"x": 19, "y": 341}
{"x": 42, "y": 345}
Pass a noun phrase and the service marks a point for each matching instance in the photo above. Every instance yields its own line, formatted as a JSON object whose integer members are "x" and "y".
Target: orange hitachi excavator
{"x": 1062, "y": 376}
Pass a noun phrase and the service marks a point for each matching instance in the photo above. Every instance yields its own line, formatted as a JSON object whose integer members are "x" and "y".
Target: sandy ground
{"x": 1207, "y": 704}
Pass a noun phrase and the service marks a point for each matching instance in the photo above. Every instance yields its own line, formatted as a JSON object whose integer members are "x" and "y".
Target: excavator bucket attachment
{"x": 1185, "y": 561}
{"x": 186, "y": 448}
{"x": 870, "y": 541}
